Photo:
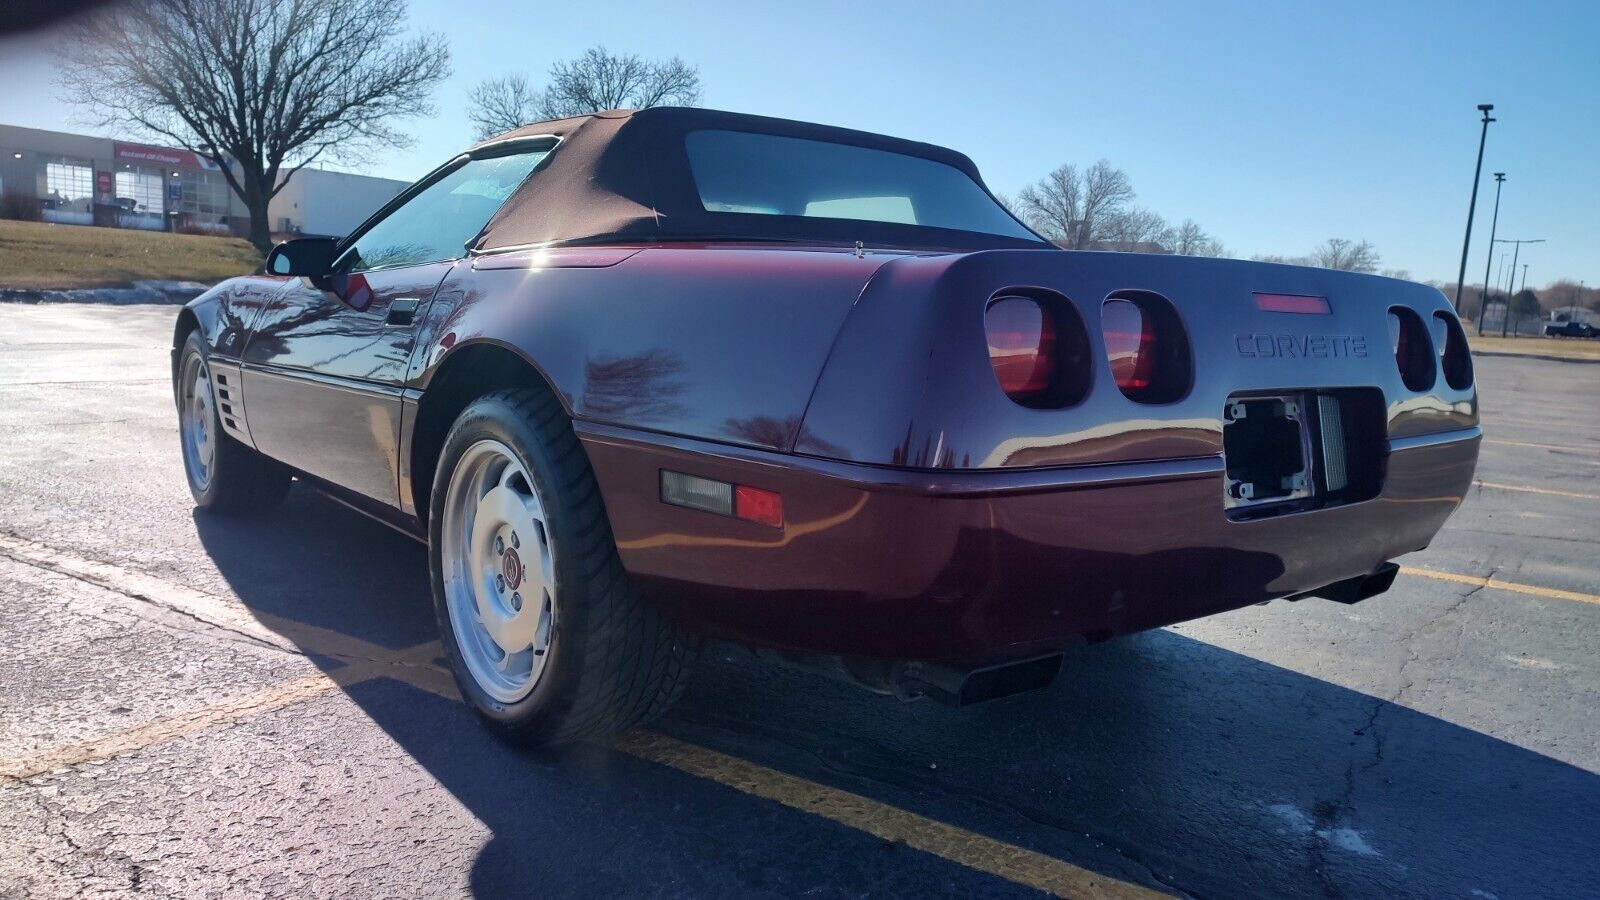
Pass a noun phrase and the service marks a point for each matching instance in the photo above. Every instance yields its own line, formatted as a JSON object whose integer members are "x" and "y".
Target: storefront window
{"x": 141, "y": 198}
{"x": 69, "y": 190}
{"x": 204, "y": 200}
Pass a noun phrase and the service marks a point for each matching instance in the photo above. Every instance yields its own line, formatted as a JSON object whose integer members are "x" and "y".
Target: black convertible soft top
{"x": 626, "y": 175}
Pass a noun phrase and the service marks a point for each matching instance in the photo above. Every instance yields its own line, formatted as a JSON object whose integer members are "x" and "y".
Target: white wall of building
{"x": 318, "y": 202}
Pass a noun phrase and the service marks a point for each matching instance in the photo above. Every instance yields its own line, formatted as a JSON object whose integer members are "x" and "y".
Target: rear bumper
{"x": 975, "y": 566}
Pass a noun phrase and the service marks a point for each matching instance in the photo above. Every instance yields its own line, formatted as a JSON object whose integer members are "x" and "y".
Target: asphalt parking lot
{"x": 192, "y": 706}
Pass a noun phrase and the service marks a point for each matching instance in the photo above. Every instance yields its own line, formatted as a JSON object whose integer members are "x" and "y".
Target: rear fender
{"x": 722, "y": 344}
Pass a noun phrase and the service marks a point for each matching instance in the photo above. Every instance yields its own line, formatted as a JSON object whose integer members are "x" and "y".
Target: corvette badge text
{"x": 1307, "y": 346}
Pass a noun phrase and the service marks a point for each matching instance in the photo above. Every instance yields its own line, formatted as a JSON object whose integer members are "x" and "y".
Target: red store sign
{"x": 162, "y": 156}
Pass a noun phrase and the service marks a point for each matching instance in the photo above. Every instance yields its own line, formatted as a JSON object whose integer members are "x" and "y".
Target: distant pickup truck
{"x": 1570, "y": 328}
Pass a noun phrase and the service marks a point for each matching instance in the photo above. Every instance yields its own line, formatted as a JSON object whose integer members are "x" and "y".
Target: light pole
{"x": 1499, "y": 273}
{"x": 1472, "y": 205}
{"x": 1505, "y": 320}
{"x": 1524, "y": 280}
{"x": 1499, "y": 179}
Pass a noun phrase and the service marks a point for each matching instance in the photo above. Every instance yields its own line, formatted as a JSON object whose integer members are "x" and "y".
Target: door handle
{"x": 402, "y": 310}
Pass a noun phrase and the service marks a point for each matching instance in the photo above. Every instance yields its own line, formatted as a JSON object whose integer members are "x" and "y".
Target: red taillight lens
{"x": 1130, "y": 344}
{"x": 1022, "y": 347}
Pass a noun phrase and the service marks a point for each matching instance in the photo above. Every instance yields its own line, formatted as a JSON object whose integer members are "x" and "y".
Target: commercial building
{"x": 75, "y": 179}
{"x": 319, "y": 203}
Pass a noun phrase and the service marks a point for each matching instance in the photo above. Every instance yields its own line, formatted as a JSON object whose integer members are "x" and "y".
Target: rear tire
{"x": 224, "y": 475}
{"x": 548, "y": 639}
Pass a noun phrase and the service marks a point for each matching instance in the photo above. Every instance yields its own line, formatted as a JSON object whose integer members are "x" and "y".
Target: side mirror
{"x": 307, "y": 257}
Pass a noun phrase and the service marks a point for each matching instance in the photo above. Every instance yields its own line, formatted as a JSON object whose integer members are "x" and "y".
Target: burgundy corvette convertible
{"x": 641, "y": 377}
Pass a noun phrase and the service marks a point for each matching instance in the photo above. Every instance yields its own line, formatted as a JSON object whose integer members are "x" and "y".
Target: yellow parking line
{"x": 171, "y": 728}
{"x": 975, "y": 851}
{"x": 1496, "y": 583}
{"x": 1534, "y": 490}
{"x": 415, "y": 666}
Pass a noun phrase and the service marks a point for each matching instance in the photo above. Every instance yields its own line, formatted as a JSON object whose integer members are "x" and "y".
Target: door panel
{"x": 323, "y": 378}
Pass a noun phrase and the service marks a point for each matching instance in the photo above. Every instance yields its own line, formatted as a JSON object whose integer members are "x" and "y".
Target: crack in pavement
{"x": 1327, "y": 814}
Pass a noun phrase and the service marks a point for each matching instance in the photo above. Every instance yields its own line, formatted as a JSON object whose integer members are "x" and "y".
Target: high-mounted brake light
{"x": 1130, "y": 344}
{"x": 1292, "y": 303}
{"x": 1022, "y": 347}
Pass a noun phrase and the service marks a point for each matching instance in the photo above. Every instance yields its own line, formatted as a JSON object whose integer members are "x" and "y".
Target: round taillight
{"x": 1146, "y": 347}
{"x": 1130, "y": 344}
{"x": 1022, "y": 347}
{"x": 1455, "y": 358}
{"x": 1413, "y": 350}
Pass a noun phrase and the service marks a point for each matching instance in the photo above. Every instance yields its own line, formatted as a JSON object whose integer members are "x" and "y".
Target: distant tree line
{"x": 1564, "y": 299}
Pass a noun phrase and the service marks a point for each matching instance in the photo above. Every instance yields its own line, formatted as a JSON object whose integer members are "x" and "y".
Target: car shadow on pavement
{"x": 1220, "y": 774}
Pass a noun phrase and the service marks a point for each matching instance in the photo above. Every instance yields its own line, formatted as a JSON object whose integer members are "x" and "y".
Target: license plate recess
{"x": 1266, "y": 445}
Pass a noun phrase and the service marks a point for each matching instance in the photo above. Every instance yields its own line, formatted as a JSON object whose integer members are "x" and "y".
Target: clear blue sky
{"x": 1275, "y": 125}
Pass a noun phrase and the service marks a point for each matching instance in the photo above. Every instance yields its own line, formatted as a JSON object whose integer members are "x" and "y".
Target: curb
{"x": 1569, "y": 359}
{"x": 142, "y": 292}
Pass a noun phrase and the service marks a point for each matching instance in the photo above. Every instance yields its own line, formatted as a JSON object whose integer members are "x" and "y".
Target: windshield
{"x": 765, "y": 174}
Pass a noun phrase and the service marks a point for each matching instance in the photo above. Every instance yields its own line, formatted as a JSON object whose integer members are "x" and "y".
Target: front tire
{"x": 224, "y": 475}
{"x": 549, "y": 641}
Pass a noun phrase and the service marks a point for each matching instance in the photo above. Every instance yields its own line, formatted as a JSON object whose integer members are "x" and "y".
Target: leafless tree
{"x": 1138, "y": 228}
{"x": 1336, "y": 253}
{"x": 268, "y": 85}
{"x": 498, "y": 105}
{"x": 597, "y": 80}
{"x": 1075, "y": 208}
{"x": 1564, "y": 293}
{"x": 1054, "y": 206}
{"x": 1346, "y": 255}
{"x": 1189, "y": 239}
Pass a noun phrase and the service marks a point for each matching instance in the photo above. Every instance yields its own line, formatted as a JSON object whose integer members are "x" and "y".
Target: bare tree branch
{"x": 267, "y": 84}
{"x": 598, "y": 80}
{"x": 1347, "y": 255}
{"x": 498, "y": 105}
{"x": 1076, "y": 209}
{"x": 1334, "y": 253}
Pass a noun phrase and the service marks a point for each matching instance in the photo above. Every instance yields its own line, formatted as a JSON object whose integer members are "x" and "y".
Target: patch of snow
{"x": 1532, "y": 662}
{"x": 1293, "y": 817}
{"x": 1347, "y": 839}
